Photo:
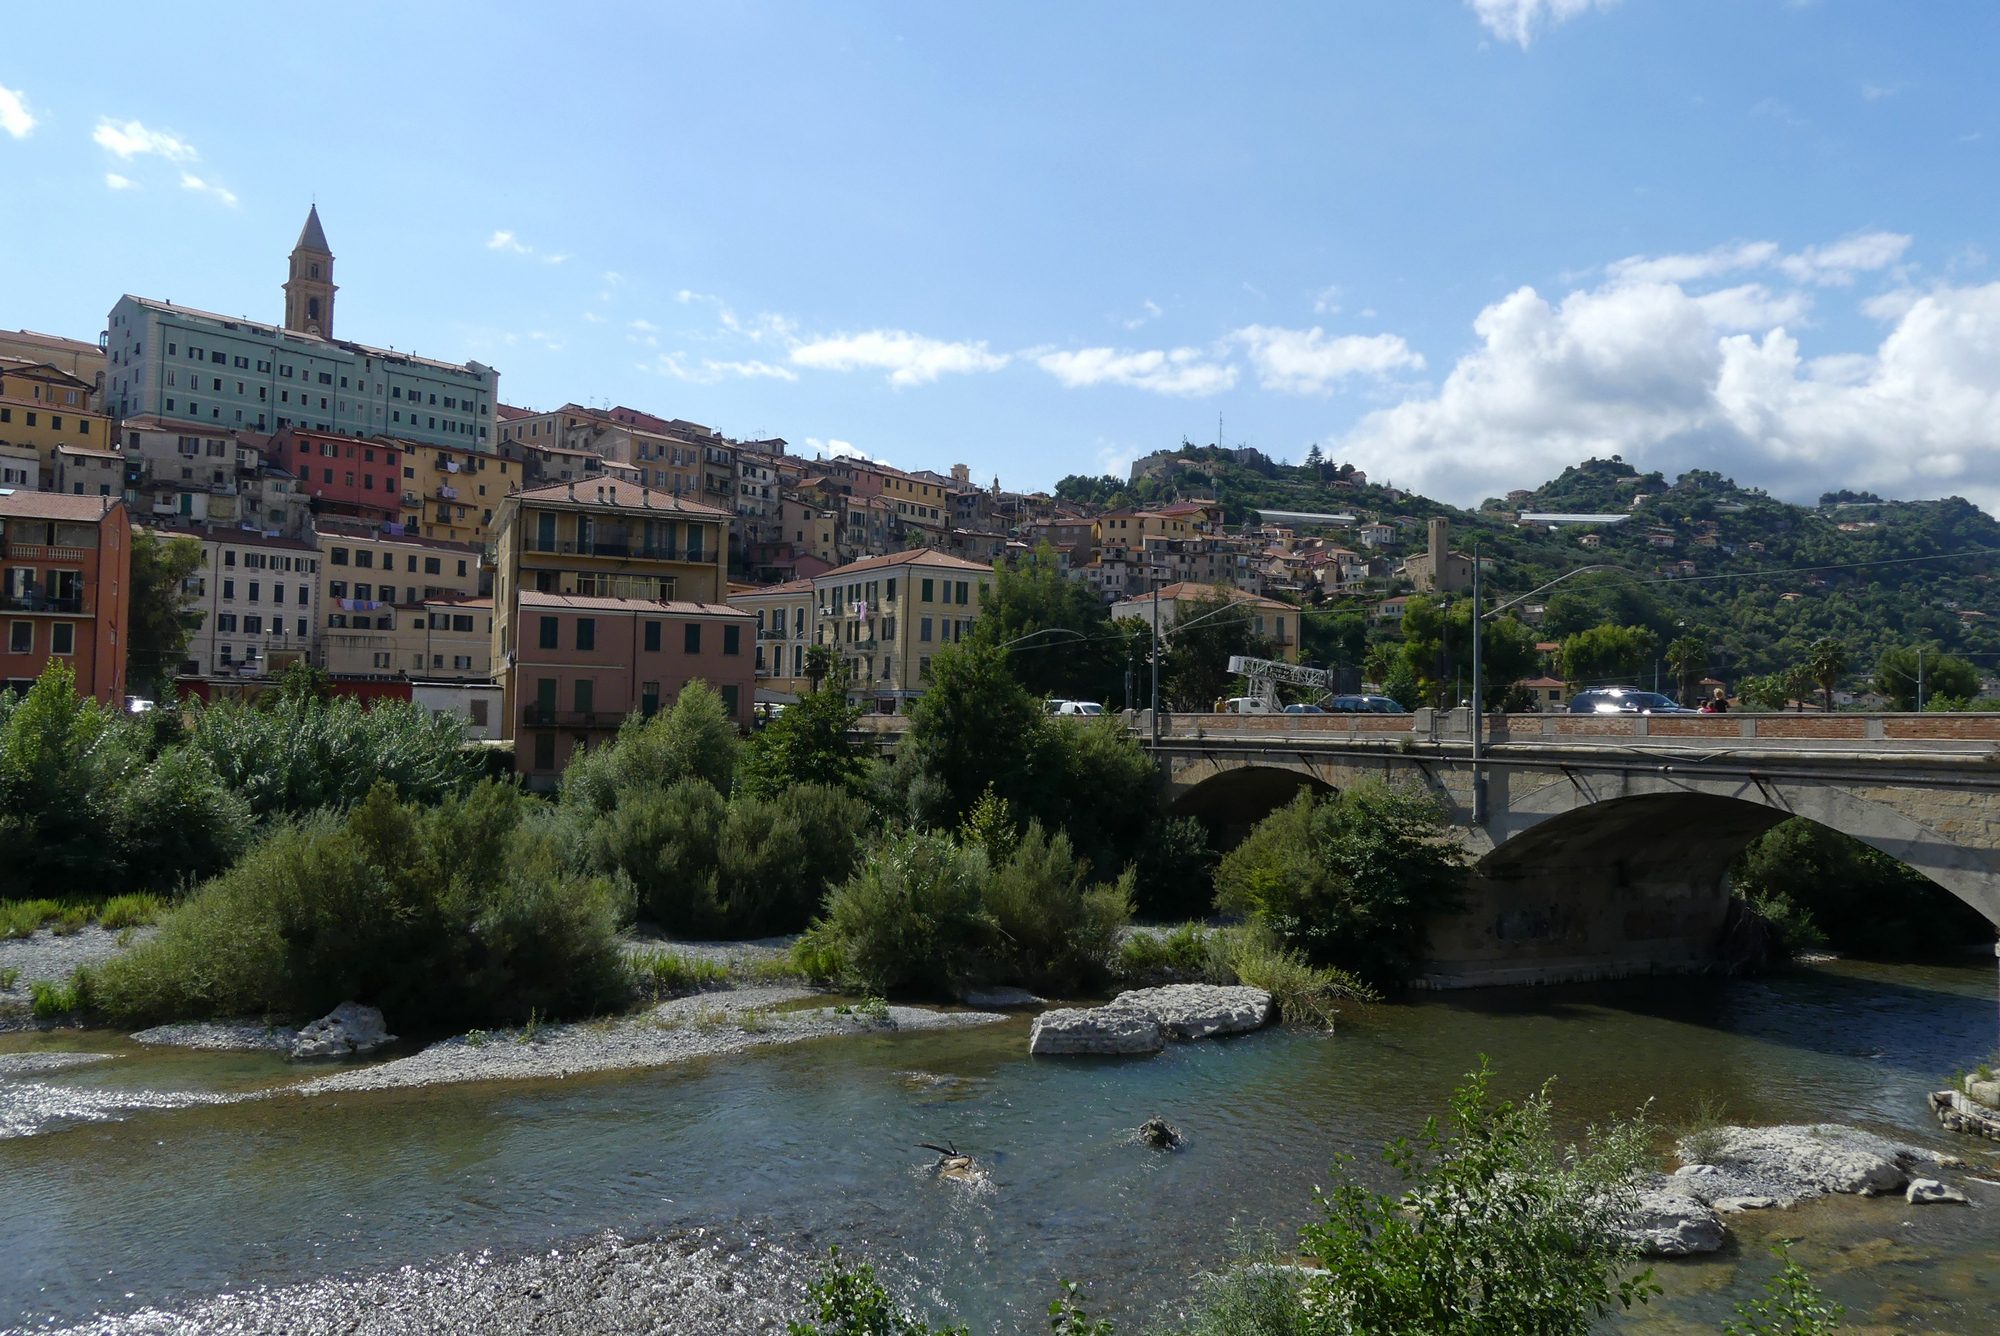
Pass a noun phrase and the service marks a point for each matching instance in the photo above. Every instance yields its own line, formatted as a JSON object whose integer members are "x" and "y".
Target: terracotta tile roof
{"x": 788, "y": 587}
{"x": 927, "y": 556}
{"x": 615, "y": 492}
{"x": 1188, "y": 589}
{"x": 235, "y": 537}
{"x": 55, "y": 341}
{"x": 18, "y": 504}
{"x": 534, "y": 598}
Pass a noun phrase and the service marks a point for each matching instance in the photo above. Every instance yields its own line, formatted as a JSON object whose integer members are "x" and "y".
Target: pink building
{"x": 583, "y": 663}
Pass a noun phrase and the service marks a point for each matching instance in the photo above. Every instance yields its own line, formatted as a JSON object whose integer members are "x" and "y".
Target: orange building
{"x": 65, "y": 578}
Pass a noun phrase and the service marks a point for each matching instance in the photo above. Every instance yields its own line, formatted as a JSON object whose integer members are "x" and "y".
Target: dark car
{"x": 1364, "y": 705}
{"x": 1624, "y": 700}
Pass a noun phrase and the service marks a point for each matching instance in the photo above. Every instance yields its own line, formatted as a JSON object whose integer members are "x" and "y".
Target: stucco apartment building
{"x": 1267, "y": 617}
{"x": 376, "y": 591}
{"x": 259, "y": 600}
{"x": 65, "y": 573}
{"x": 83, "y": 360}
{"x": 646, "y": 566}
{"x": 185, "y": 473}
{"x": 585, "y": 663}
{"x": 884, "y": 618}
{"x": 453, "y": 493}
{"x": 46, "y": 409}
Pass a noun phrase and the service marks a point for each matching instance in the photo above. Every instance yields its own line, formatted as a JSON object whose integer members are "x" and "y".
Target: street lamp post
{"x": 1478, "y": 682}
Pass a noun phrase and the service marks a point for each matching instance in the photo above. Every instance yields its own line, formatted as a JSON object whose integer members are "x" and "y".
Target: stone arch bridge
{"x": 1602, "y": 843}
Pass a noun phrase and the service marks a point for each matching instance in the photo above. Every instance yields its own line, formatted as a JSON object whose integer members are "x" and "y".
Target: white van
{"x": 1246, "y": 705}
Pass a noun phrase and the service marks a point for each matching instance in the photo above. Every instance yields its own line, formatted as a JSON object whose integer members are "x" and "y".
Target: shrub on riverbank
{"x": 1305, "y": 994}
{"x": 1349, "y": 879}
{"x": 463, "y": 913}
{"x": 86, "y": 808}
{"x": 304, "y": 753}
{"x": 927, "y": 913}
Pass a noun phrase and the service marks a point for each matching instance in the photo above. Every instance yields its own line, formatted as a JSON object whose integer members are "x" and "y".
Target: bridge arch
{"x": 1229, "y": 802}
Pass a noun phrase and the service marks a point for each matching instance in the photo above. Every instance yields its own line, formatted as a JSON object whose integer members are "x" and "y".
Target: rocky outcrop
{"x": 1796, "y": 1163}
{"x": 1160, "y": 1134}
{"x": 1096, "y": 1031}
{"x": 1667, "y": 1221}
{"x": 1970, "y": 1109}
{"x": 349, "y": 1029}
{"x": 1930, "y": 1192}
{"x": 1198, "y": 1010}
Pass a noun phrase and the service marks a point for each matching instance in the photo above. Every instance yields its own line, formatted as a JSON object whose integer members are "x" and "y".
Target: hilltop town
{"x": 542, "y": 573}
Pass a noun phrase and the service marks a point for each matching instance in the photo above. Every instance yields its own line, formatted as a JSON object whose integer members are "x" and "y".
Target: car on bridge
{"x": 1624, "y": 700}
{"x": 1075, "y": 707}
{"x": 1364, "y": 705}
{"x": 1300, "y": 707}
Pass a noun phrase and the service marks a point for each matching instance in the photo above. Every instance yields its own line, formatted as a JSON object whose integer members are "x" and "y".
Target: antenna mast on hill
{"x": 1218, "y": 433}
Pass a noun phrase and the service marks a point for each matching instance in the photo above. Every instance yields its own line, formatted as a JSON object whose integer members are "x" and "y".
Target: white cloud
{"x": 560, "y": 257}
{"x": 1186, "y": 372}
{"x": 506, "y": 241}
{"x": 1327, "y": 300}
{"x": 1305, "y": 361}
{"x": 838, "y": 449}
{"x": 1839, "y": 262}
{"x": 1732, "y": 258}
{"x": 910, "y": 359}
{"x": 114, "y": 181}
{"x": 708, "y": 370}
{"x": 1752, "y": 306}
{"x": 1876, "y": 92}
{"x": 764, "y": 325}
{"x": 129, "y": 139}
{"x": 1149, "y": 311}
{"x": 15, "y": 118}
{"x": 1516, "y": 20}
{"x": 189, "y": 181}
{"x": 1641, "y": 370}
{"x": 644, "y": 326}
{"x": 592, "y": 317}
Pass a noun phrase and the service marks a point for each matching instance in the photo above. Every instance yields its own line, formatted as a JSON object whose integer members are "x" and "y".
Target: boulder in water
{"x": 1198, "y": 1010}
{"x": 1930, "y": 1192}
{"x": 1160, "y": 1134}
{"x": 1666, "y": 1221}
{"x": 347, "y": 1030}
{"x": 1094, "y": 1030}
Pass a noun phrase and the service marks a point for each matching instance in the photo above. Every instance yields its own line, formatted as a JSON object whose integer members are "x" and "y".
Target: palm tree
{"x": 1688, "y": 657}
{"x": 1826, "y": 663}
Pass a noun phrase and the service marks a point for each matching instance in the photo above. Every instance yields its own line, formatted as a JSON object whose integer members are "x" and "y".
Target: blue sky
{"x": 1458, "y": 242}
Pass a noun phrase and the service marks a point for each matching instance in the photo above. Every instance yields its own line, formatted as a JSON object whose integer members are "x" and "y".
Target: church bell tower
{"x": 309, "y": 291}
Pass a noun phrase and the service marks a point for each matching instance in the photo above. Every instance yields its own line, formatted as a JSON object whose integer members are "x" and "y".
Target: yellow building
{"x": 43, "y": 407}
{"x": 885, "y": 617}
{"x": 83, "y": 360}
{"x": 376, "y": 592}
{"x": 1267, "y": 617}
{"x": 452, "y": 493}
{"x": 1131, "y": 528}
{"x": 787, "y": 622}
{"x": 601, "y": 538}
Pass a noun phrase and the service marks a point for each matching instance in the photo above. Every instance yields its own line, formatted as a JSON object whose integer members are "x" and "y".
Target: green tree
{"x": 1351, "y": 879}
{"x": 1792, "y": 1306}
{"x": 1608, "y": 654}
{"x": 1826, "y": 664}
{"x": 1944, "y": 676}
{"x": 1688, "y": 658}
{"x": 822, "y": 665}
{"x": 160, "y": 609}
{"x": 975, "y": 727}
{"x": 1767, "y": 691}
{"x": 806, "y": 743}
{"x": 1437, "y": 651}
{"x": 1065, "y": 649}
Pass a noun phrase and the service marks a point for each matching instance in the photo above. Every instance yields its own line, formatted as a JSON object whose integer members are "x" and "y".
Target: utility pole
{"x": 1478, "y": 696}
{"x": 1156, "y": 667}
{"x": 1920, "y": 679}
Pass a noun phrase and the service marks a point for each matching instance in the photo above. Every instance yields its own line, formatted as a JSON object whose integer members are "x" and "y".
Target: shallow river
{"x": 815, "y": 1143}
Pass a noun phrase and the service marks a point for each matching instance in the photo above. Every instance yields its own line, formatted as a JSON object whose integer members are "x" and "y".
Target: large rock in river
{"x": 1096, "y": 1030}
{"x": 1666, "y": 1221}
{"x": 1796, "y": 1163}
{"x": 348, "y": 1029}
{"x": 1198, "y": 1010}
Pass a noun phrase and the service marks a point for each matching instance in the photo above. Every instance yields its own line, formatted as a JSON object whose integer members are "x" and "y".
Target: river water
{"x": 815, "y": 1143}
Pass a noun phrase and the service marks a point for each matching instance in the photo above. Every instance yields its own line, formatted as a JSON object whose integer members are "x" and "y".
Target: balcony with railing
{"x": 44, "y": 552}
{"x": 534, "y": 715}
{"x": 36, "y": 601}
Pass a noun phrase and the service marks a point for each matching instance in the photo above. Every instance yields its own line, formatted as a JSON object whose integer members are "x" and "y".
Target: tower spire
{"x": 309, "y": 289}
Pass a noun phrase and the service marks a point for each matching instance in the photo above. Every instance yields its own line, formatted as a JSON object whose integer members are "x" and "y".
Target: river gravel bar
{"x": 245, "y": 1035}
{"x": 682, "y": 1285}
{"x": 701, "y": 1026}
{"x": 46, "y": 957}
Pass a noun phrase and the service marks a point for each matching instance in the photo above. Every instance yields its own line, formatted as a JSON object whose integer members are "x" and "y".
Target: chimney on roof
{"x": 572, "y": 489}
